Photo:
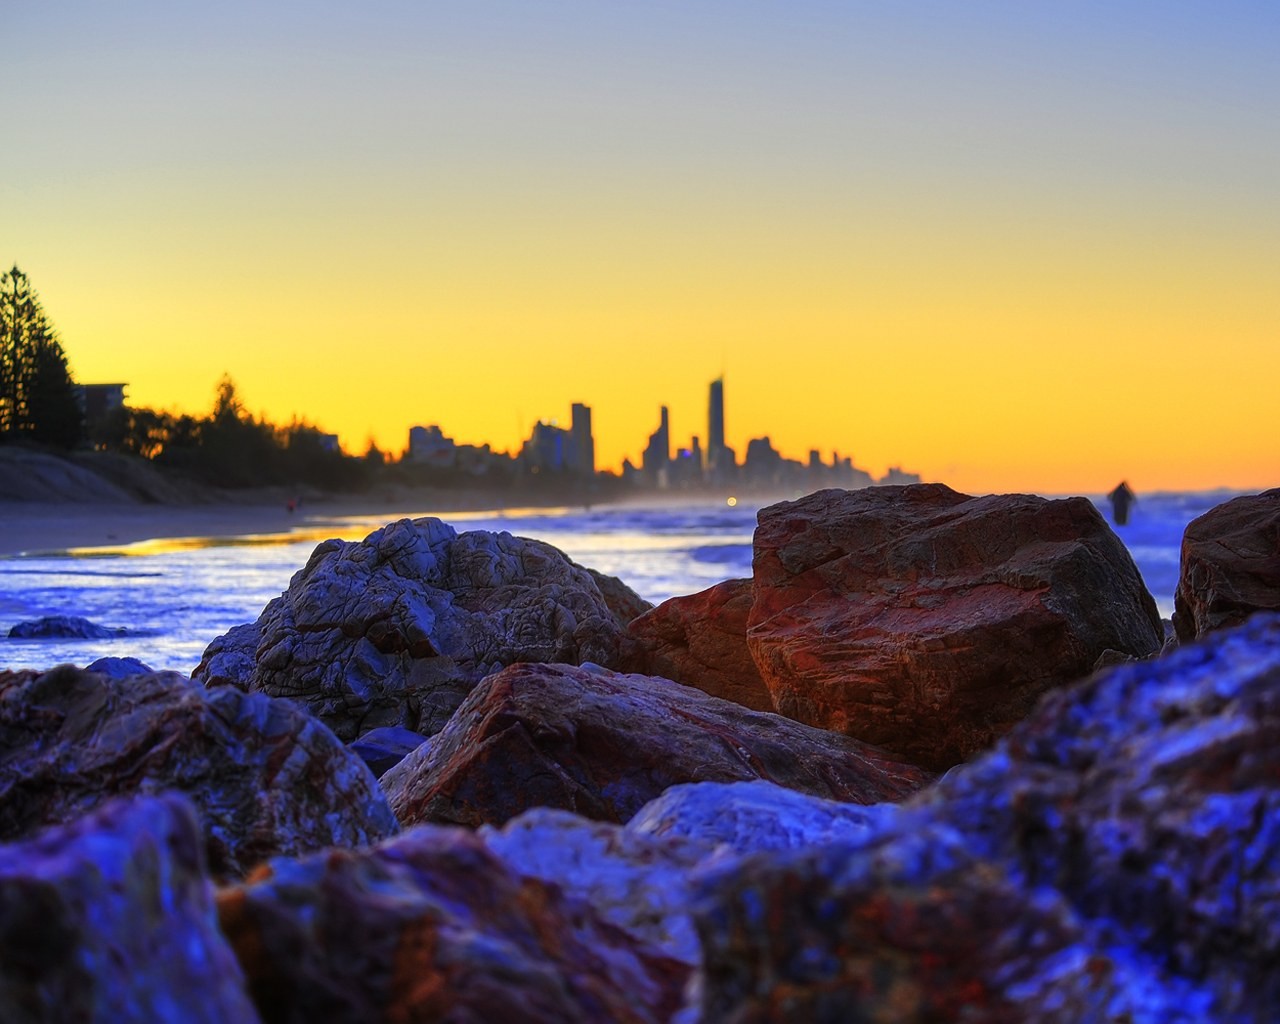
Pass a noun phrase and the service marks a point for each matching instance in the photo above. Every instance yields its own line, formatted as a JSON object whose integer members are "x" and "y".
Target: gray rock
{"x": 395, "y": 630}
{"x": 118, "y": 668}
{"x": 63, "y": 627}
{"x": 383, "y": 749}
{"x": 266, "y": 778}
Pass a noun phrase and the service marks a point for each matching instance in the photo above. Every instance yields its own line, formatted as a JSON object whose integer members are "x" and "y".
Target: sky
{"x": 1008, "y": 246}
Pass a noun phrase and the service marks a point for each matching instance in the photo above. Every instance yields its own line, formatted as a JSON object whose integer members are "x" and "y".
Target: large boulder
{"x": 929, "y": 622}
{"x": 396, "y": 629}
{"x": 266, "y": 778}
{"x": 701, "y": 641}
{"x": 1230, "y": 565}
{"x": 602, "y": 744}
{"x": 624, "y": 602}
{"x": 432, "y": 926}
{"x": 1113, "y": 859}
{"x": 111, "y": 918}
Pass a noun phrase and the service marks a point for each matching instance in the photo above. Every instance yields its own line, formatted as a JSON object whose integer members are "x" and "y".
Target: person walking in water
{"x": 1121, "y": 498}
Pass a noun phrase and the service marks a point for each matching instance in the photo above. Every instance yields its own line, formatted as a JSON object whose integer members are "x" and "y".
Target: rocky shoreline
{"x": 937, "y": 759}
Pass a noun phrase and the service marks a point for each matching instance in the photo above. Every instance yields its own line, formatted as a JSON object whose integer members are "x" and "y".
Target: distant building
{"x": 329, "y": 442}
{"x": 98, "y": 401}
{"x": 897, "y": 475}
{"x": 655, "y": 463}
{"x": 719, "y": 456}
{"x": 584, "y": 445}
{"x": 551, "y": 448}
{"x": 429, "y": 447}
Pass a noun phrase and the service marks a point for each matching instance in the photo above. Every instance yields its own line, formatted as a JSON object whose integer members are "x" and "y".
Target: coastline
{"x": 30, "y": 528}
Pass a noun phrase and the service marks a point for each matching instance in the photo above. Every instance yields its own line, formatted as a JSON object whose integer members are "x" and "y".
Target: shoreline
{"x": 45, "y": 528}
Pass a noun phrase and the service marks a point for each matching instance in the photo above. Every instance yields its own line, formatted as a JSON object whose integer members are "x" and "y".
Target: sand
{"x": 46, "y": 527}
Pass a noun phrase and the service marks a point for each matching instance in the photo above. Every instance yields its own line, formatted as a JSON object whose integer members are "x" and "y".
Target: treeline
{"x": 231, "y": 448}
{"x": 40, "y": 404}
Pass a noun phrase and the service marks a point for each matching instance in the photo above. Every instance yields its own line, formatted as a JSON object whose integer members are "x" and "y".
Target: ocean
{"x": 173, "y": 597}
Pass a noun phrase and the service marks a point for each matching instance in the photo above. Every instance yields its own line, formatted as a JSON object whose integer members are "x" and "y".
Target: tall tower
{"x": 584, "y": 445}
{"x": 717, "y": 456}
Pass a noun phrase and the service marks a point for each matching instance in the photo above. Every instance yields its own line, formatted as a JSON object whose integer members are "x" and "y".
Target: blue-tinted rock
{"x": 63, "y": 627}
{"x": 118, "y": 668}
{"x": 111, "y": 919}
{"x": 384, "y": 748}
{"x": 1115, "y": 858}
{"x": 266, "y": 778}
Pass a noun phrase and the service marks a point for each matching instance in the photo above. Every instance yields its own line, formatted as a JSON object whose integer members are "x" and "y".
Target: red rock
{"x": 603, "y": 744}
{"x": 701, "y": 641}
{"x": 433, "y": 927}
{"x": 1230, "y": 565}
{"x": 928, "y": 622}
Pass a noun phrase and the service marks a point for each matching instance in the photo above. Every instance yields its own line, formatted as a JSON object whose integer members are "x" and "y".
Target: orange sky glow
{"x": 1014, "y": 248}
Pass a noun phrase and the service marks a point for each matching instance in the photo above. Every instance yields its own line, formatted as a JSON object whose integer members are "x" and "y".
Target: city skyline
{"x": 1013, "y": 247}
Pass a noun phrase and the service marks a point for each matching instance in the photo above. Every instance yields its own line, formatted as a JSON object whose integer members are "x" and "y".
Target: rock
{"x": 603, "y": 744}
{"x": 266, "y": 778}
{"x": 118, "y": 668}
{"x": 641, "y": 876}
{"x": 636, "y": 881}
{"x": 433, "y": 927}
{"x": 929, "y": 622}
{"x": 1230, "y": 565}
{"x": 383, "y": 749}
{"x": 395, "y": 630}
{"x": 701, "y": 641}
{"x": 1113, "y": 859}
{"x": 753, "y": 817}
{"x": 63, "y": 627}
{"x": 624, "y": 602}
{"x": 111, "y": 918}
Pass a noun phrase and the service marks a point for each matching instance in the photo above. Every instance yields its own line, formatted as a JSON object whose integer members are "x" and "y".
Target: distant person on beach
{"x": 1121, "y": 498}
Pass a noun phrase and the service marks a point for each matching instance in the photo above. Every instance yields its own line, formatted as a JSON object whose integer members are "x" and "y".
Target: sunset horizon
{"x": 1006, "y": 249}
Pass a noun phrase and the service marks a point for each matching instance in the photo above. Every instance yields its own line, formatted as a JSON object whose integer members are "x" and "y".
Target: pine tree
{"x": 37, "y": 395}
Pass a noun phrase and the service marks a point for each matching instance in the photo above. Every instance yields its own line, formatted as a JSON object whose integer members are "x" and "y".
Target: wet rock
{"x": 1230, "y": 565}
{"x": 118, "y": 668}
{"x": 433, "y": 926}
{"x": 383, "y": 749}
{"x": 266, "y": 778}
{"x": 111, "y": 919}
{"x": 1113, "y": 859}
{"x": 63, "y": 627}
{"x": 395, "y": 630}
{"x": 701, "y": 641}
{"x": 929, "y": 622}
{"x": 602, "y": 744}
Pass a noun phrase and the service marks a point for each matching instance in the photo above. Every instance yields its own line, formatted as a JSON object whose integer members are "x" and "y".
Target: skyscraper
{"x": 584, "y": 445}
{"x": 719, "y": 456}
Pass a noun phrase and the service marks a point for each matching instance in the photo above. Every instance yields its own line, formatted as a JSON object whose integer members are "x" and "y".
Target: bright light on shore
{"x": 732, "y": 502}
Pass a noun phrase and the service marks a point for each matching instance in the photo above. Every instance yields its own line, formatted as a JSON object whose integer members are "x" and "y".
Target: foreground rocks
{"x": 929, "y": 622}
{"x": 433, "y": 926}
{"x": 603, "y": 744}
{"x": 1114, "y": 859}
{"x": 111, "y": 919}
{"x": 701, "y": 641}
{"x": 395, "y": 630}
{"x": 266, "y": 778}
{"x": 1230, "y": 566}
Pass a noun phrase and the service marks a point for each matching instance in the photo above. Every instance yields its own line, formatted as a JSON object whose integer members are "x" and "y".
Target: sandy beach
{"x": 45, "y": 527}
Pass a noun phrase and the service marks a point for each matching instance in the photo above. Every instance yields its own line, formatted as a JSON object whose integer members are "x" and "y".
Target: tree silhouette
{"x": 37, "y": 396}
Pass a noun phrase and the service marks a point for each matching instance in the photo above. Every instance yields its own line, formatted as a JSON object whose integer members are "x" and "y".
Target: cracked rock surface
{"x": 265, "y": 777}
{"x": 395, "y": 630}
